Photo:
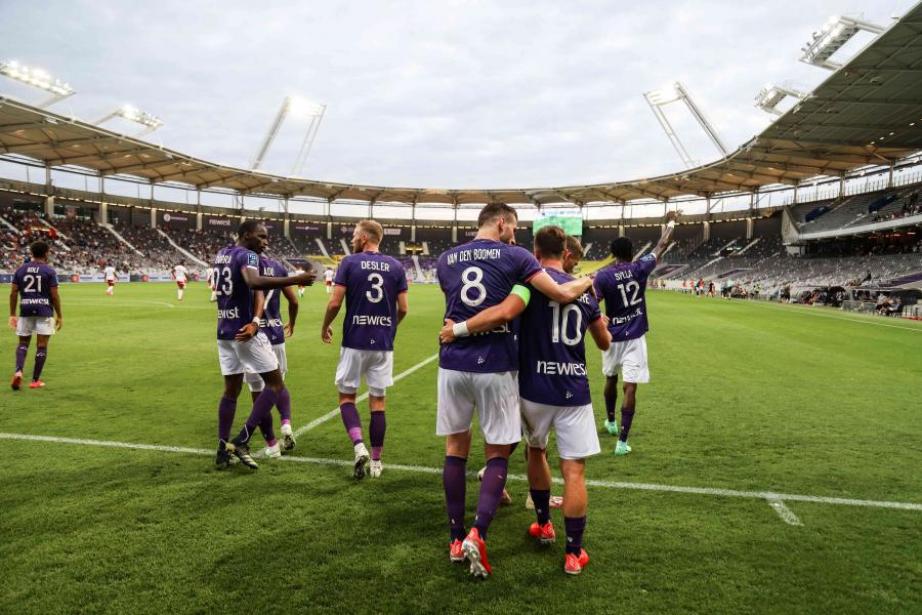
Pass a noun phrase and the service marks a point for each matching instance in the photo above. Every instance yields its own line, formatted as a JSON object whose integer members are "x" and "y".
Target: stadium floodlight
{"x": 676, "y": 92}
{"x": 300, "y": 107}
{"x": 771, "y": 95}
{"x": 834, "y": 34}
{"x": 133, "y": 114}
{"x": 37, "y": 78}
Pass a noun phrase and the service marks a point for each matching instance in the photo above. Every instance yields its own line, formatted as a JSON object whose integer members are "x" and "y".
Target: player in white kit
{"x": 328, "y": 279}
{"x": 180, "y": 274}
{"x": 111, "y": 278}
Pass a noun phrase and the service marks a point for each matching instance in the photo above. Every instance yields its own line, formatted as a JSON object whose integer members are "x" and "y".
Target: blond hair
{"x": 372, "y": 228}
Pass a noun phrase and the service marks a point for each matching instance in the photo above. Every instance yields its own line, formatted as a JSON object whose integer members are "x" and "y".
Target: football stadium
{"x": 686, "y": 391}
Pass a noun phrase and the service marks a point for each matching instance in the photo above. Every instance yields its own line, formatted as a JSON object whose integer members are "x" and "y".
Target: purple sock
{"x": 377, "y": 426}
{"x": 351, "y": 420}
{"x": 542, "y": 500}
{"x": 611, "y": 398}
{"x": 226, "y": 410}
{"x": 491, "y": 490}
{"x": 575, "y": 526}
{"x": 261, "y": 407}
{"x": 265, "y": 426}
{"x": 455, "y": 482}
{"x": 21, "y": 351}
{"x": 40, "y": 355}
{"x": 627, "y": 417}
{"x": 284, "y": 406}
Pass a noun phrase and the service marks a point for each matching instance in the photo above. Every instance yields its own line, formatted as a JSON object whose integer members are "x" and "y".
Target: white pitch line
{"x": 335, "y": 411}
{"x": 768, "y": 496}
{"x": 787, "y": 515}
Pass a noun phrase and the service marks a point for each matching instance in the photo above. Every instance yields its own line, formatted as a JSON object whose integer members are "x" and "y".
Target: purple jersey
{"x": 552, "y": 356}
{"x": 474, "y": 276}
{"x": 623, "y": 286}
{"x": 271, "y": 324}
{"x": 35, "y": 281}
{"x": 373, "y": 281}
{"x": 235, "y": 299}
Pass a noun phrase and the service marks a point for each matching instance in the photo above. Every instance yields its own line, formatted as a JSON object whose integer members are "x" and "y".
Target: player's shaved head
{"x": 496, "y": 210}
{"x": 38, "y": 249}
{"x": 622, "y": 249}
{"x": 248, "y": 227}
{"x": 372, "y": 228}
{"x": 550, "y": 242}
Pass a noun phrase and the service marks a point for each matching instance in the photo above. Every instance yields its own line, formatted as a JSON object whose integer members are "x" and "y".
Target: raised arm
{"x": 561, "y": 293}
{"x": 666, "y": 237}
{"x": 292, "y": 298}
{"x": 256, "y": 281}
{"x": 336, "y": 302}
{"x": 487, "y": 319}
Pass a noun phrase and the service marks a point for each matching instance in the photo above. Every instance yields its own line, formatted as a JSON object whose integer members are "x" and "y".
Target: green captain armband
{"x": 521, "y": 292}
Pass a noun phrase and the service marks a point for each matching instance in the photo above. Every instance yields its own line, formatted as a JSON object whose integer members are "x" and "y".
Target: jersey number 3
{"x": 377, "y": 282}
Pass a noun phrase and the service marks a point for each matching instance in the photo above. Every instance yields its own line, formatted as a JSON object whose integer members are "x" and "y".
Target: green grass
{"x": 748, "y": 396}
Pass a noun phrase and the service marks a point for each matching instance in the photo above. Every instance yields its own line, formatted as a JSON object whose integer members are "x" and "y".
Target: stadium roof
{"x": 869, "y": 112}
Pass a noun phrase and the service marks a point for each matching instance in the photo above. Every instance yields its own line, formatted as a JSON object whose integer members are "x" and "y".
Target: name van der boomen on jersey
{"x": 475, "y": 254}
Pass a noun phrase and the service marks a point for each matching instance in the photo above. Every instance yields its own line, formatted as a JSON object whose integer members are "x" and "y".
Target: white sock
{"x": 179, "y": 294}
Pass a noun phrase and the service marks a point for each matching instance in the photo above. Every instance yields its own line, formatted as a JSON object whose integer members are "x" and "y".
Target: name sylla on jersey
{"x": 625, "y": 274}
{"x": 376, "y": 265}
{"x": 557, "y": 368}
{"x": 371, "y": 320}
{"x": 475, "y": 254}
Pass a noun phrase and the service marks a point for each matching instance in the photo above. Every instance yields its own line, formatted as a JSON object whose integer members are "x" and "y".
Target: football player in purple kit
{"x": 623, "y": 286}
{"x": 374, "y": 287}
{"x": 241, "y": 345}
{"x": 271, "y": 324}
{"x": 554, "y": 388}
{"x": 35, "y": 286}
{"x": 479, "y": 372}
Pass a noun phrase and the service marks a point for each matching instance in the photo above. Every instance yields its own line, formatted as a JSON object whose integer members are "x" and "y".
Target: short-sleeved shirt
{"x": 552, "y": 352}
{"x": 328, "y": 275}
{"x": 180, "y": 272}
{"x": 271, "y": 324}
{"x": 372, "y": 281}
{"x": 109, "y": 272}
{"x": 35, "y": 281}
{"x": 623, "y": 287}
{"x": 474, "y": 276}
{"x": 235, "y": 299}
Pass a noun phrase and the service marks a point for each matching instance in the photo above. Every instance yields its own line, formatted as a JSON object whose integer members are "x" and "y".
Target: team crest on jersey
{"x": 252, "y": 259}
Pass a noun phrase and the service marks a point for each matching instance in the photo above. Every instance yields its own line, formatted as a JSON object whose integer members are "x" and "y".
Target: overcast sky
{"x": 440, "y": 93}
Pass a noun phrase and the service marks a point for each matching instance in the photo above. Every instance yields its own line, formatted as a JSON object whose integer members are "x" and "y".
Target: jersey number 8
{"x": 472, "y": 278}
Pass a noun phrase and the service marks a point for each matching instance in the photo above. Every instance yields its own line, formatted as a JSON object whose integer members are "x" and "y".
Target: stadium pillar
{"x": 749, "y": 228}
{"x": 890, "y": 176}
{"x": 153, "y": 217}
{"x": 102, "y": 214}
{"x": 49, "y": 192}
{"x": 796, "y": 186}
{"x": 620, "y": 230}
{"x": 706, "y": 230}
{"x": 198, "y": 221}
{"x": 841, "y": 185}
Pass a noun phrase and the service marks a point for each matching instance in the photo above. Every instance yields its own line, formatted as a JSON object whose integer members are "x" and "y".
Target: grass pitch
{"x": 745, "y": 396}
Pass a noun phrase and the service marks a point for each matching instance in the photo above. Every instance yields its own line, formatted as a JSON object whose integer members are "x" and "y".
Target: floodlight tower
{"x": 834, "y": 34}
{"x": 676, "y": 92}
{"x": 133, "y": 114}
{"x": 37, "y": 78}
{"x": 297, "y": 106}
{"x": 770, "y": 96}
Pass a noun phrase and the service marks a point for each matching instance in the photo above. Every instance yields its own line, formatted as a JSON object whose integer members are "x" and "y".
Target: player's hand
{"x": 58, "y": 323}
{"x": 327, "y": 335}
{"x": 606, "y": 320}
{"x": 246, "y": 332}
{"x": 13, "y": 322}
{"x": 447, "y": 334}
{"x": 289, "y": 329}
{"x": 305, "y": 278}
{"x": 672, "y": 216}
